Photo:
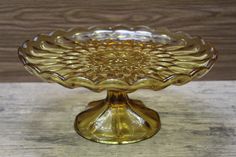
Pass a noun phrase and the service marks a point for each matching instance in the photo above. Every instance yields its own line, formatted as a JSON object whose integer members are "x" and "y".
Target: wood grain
{"x": 198, "y": 120}
{"x": 214, "y": 20}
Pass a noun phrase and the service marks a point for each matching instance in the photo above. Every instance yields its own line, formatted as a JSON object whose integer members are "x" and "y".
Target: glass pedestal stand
{"x": 118, "y": 59}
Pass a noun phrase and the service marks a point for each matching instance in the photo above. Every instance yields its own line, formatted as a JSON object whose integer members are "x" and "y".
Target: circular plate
{"x": 117, "y": 58}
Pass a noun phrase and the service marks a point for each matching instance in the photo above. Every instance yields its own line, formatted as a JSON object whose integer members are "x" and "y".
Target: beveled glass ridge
{"x": 119, "y": 58}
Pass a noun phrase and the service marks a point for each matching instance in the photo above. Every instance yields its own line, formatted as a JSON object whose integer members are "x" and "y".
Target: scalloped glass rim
{"x": 116, "y": 84}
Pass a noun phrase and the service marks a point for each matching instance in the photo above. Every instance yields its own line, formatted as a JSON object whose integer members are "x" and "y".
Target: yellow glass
{"x": 118, "y": 59}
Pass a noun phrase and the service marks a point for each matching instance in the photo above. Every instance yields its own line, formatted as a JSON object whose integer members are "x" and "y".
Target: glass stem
{"x": 117, "y": 98}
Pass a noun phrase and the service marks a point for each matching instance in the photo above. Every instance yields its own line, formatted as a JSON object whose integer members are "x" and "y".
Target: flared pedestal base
{"x": 117, "y": 120}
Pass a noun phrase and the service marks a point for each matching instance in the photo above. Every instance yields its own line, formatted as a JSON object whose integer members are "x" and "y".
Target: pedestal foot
{"x": 117, "y": 120}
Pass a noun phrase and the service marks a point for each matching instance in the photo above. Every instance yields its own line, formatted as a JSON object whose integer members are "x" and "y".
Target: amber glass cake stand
{"x": 118, "y": 59}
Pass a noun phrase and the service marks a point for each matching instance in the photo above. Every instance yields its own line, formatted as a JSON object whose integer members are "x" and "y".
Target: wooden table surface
{"x": 198, "y": 120}
{"x": 214, "y": 20}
